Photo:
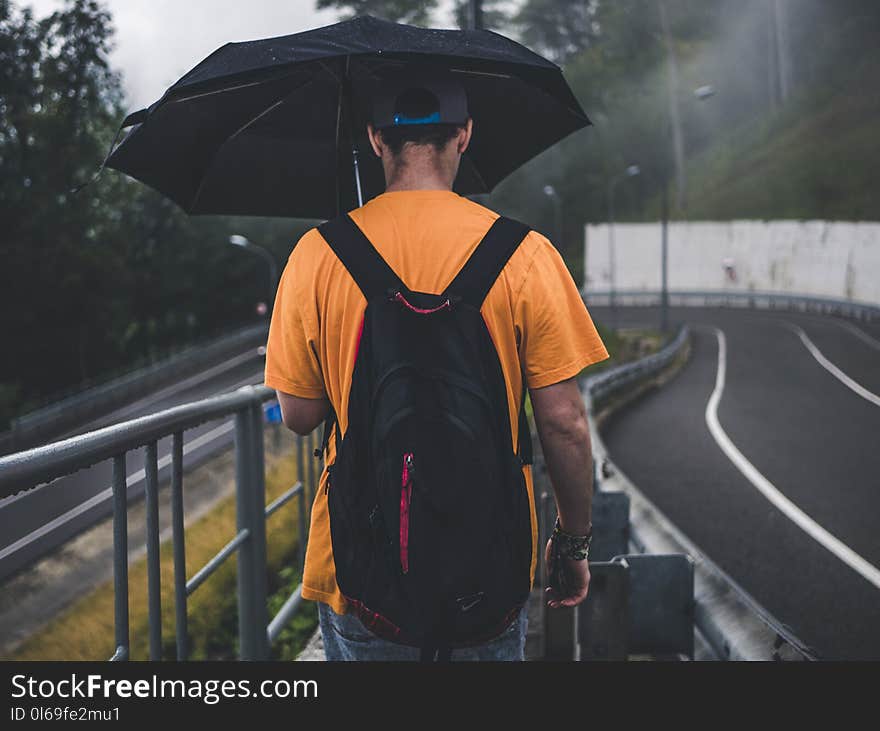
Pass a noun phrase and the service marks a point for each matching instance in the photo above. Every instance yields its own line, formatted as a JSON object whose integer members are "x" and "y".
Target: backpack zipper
{"x": 406, "y": 484}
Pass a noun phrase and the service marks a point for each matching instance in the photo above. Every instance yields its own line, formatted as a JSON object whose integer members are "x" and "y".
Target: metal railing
{"x": 26, "y": 470}
{"x": 65, "y": 413}
{"x": 864, "y": 311}
{"x": 612, "y": 381}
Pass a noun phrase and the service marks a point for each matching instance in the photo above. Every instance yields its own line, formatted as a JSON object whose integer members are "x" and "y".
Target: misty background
{"x": 115, "y": 276}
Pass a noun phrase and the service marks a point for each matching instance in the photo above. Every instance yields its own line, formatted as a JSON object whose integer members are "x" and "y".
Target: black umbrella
{"x": 273, "y": 127}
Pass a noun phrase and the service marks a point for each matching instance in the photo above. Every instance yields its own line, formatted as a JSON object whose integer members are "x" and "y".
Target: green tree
{"x": 558, "y": 29}
{"x": 414, "y": 12}
{"x": 60, "y": 100}
{"x": 494, "y": 18}
{"x": 114, "y": 275}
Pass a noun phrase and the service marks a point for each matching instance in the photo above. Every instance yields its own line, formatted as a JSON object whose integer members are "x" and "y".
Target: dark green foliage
{"x": 113, "y": 276}
{"x": 414, "y": 12}
{"x": 298, "y": 631}
{"x": 493, "y": 16}
{"x": 557, "y": 29}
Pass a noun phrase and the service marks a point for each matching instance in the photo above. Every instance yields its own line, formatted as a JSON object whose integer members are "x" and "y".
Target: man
{"x": 533, "y": 311}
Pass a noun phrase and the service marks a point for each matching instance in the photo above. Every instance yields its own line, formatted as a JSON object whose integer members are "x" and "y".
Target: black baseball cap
{"x": 419, "y": 95}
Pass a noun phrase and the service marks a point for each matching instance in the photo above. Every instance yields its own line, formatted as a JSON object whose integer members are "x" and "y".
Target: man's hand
{"x": 575, "y": 580}
{"x": 562, "y": 425}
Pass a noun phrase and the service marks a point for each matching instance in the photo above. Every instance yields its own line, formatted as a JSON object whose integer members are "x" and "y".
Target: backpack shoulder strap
{"x": 369, "y": 270}
{"x": 475, "y": 280}
{"x": 481, "y": 270}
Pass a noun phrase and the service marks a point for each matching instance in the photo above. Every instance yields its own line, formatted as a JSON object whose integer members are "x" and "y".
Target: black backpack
{"x": 429, "y": 512}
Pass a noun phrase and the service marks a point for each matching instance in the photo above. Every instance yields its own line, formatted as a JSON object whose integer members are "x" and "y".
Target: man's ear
{"x": 375, "y": 140}
{"x": 464, "y": 136}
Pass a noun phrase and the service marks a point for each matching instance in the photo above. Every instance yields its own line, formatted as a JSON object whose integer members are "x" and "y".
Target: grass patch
{"x": 624, "y": 345}
{"x": 813, "y": 159}
{"x": 84, "y": 631}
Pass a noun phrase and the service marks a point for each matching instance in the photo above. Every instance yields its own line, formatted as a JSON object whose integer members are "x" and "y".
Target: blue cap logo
{"x": 401, "y": 119}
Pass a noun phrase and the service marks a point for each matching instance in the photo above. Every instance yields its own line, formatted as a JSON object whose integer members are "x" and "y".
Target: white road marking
{"x": 867, "y": 570}
{"x": 833, "y": 369}
{"x": 106, "y": 494}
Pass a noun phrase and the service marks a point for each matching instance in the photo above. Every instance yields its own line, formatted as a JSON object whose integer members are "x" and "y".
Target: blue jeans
{"x": 346, "y": 638}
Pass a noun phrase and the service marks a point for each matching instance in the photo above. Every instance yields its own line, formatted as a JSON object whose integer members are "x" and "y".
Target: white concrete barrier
{"x": 835, "y": 259}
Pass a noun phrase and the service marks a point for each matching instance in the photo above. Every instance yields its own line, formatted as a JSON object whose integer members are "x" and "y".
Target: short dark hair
{"x": 436, "y": 135}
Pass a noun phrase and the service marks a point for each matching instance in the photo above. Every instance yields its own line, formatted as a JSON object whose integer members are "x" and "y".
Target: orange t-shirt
{"x": 534, "y": 313}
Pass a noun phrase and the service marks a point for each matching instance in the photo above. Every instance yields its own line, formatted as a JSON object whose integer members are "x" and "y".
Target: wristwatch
{"x": 570, "y": 546}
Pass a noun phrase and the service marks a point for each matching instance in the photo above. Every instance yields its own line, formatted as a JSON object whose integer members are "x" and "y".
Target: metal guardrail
{"x": 612, "y": 381}
{"x": 863, "y": 311}
{"x": 26, "y": 470}
{"x": 724, "y": 595}
{"x": 51, "y": 420}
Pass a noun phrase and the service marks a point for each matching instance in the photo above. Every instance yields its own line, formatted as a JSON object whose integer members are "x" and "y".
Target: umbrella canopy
{"x": 273, "y": 127}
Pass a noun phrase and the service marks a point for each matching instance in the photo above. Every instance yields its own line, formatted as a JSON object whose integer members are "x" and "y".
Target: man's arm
{"x": 302, "y": 415}
{"x": 561, "y": 421}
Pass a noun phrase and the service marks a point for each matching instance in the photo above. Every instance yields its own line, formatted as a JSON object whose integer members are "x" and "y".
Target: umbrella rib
{"x": 482, "y": 73}
{"x": 235, "y": 134}
{"x": 199, "y": 95}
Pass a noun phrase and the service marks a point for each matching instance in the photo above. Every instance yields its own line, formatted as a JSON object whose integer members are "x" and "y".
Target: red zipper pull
{"x": 406, "y": 480}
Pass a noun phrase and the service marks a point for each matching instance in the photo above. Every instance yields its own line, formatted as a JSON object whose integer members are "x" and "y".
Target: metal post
{"x": 154, "y": 579}
{"x": 301, "y": 476}
{"x": 674, "y": 112}
{"x": 664, "y": 259}
{"x": 177, "y": 535}
{"x": 302, "y": 527}
{"x": 120, "y": 557}
{"x": 243, "y": 477}
{"x": 476, "y": 14}
{"x": 313, "y": 486}
{"x": 612, "y": 256}
{"x": 300, "y": 460}
{"x": 258, "y": 532}
{"x": 560, "y": 625}
{"x": 252, "y": 619}
{"x": 263, "y": 253}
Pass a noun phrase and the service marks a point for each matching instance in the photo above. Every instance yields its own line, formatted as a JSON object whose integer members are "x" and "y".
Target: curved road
{"x": 33, "y": 523}
{"x": 765, "y": 451}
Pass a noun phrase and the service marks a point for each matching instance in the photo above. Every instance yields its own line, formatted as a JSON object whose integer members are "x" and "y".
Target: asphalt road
{"x": 33, "y": 523}
{"x": 783, "y": 493}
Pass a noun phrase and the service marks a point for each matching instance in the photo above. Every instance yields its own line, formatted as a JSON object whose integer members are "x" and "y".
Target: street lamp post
{"x": 630, "y": 172}
{"x": 248, "y": 245}
{"x": 476, "y": 14}
{"x": 701, "y": 94}
{"x": 551, "y": 193}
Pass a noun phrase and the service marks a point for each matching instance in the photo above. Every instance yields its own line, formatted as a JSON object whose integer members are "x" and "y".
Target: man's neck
{"x": 420, "y": 171}
{"x": 416, "y": 183}
{"x": 416, "y": 186}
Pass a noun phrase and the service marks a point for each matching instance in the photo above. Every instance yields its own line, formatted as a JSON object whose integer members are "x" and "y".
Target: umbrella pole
{"x": 357, "y": 173}
{"x": 349, "y": 113}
